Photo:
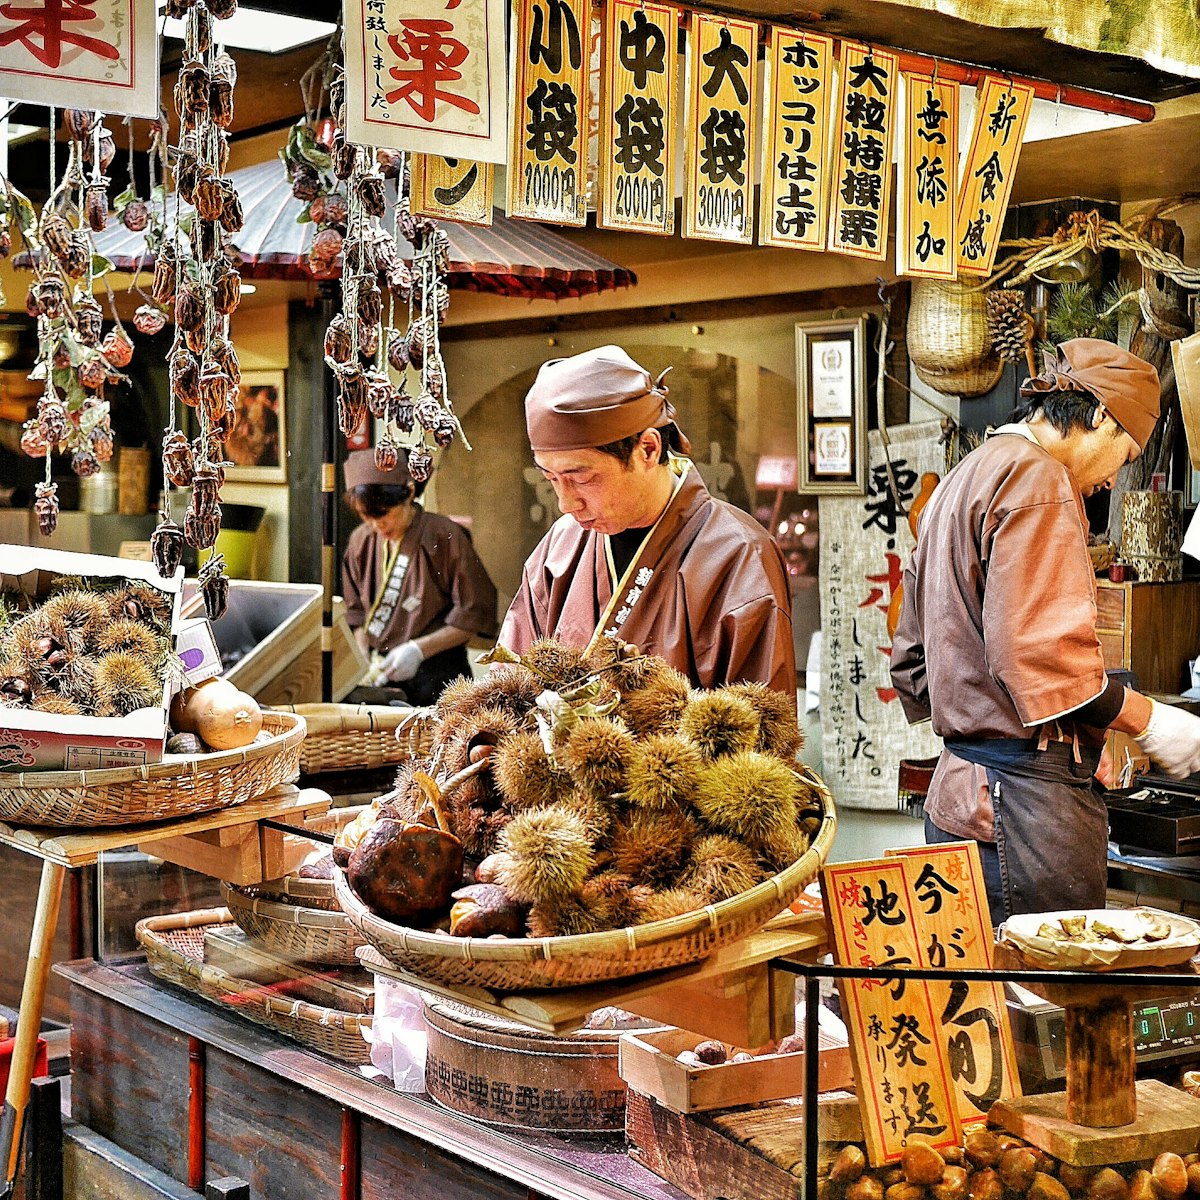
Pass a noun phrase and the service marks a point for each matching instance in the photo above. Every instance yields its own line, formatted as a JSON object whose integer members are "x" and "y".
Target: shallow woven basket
{"x": 311, "y": 935}
{"x": 521, "y": 964}
{"x": 174, "y": 946}
{"x": 351, "y": 737}
{"x": 301, "y": 890}
{"x": 179, "y": 786}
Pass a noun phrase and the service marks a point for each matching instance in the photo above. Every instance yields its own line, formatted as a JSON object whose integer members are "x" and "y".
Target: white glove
{"x": 402, "y": 663}
{"x": 1172, "y": 740}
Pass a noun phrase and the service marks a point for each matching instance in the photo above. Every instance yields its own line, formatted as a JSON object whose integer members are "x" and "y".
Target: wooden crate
{"x": 649, "y": 1065}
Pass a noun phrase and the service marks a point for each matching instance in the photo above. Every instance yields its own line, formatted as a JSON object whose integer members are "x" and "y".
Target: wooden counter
{"x": 277, "y": 1114}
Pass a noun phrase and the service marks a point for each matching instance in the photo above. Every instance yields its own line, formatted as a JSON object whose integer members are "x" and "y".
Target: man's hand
{"x": 1172, "y": 740}
{"x": 402, "y": 663}
{"x": 1106, "y": 774}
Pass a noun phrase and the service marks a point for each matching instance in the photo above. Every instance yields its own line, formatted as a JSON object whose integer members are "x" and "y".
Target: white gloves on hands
{"x": 402, "y": 663}
{"x": 1172, "y": 740}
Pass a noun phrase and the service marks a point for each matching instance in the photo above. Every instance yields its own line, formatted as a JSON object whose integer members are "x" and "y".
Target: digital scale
{"x": 1162, "y": 1030}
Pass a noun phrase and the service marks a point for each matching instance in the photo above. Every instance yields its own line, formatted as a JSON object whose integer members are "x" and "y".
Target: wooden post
{"x": 29, "y": 1021}
{"x": 1100, "y": 1064}
{"x": 44, "y": 1166}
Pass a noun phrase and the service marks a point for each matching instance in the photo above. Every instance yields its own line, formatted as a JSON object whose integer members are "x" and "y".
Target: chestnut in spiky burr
{"x": 185, "y": 376}
{"x": 551, "y": 855}
{"x": 525, "y": 775}
{"x": 117, "y": 348}
{"x": 95, "y": 205}
{"x": 138, "y": 601}
{"x": 779, "y": 733}
{"x": 128, "y": 637}
{"x": 81, "y": 615}
{"x": 52, "y": 420}
{"x": 596, "y": 755}
{"x": 652, "y": 845}
{"x": 177, "y": 461}
{"x": 752, "y": 796}
{"x": 165, "y": 274}
{"x": 135, "y": 216}
{"x": 558, "y": 664}
{"x": 50, "y": 296}
{"x": 659, "y": 703}
{"x": 166, "y": 547}
{"x": 214, "y": 587}
{"x": 149, "y": 319}
{"x": 371, "y": 194}
{"x": 51, "y": 702}
{"x": 227, "y": 291}
{"x": 719, "y": 723}
{"x": 664, "y": 772}
{"x": 89, "y": 320}
{"x": 721, "y": 867}
{"x": 125, "y": 683}
{"x": 420, "y": 465}
{"x": 386, "y": 454}
{"x": 45, "y": 506}
{"x": 337, "y": 340}
{"x": 16, "y": 685}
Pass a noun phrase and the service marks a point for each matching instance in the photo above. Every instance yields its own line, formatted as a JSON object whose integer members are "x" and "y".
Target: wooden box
{"x": 648, "y": 1064}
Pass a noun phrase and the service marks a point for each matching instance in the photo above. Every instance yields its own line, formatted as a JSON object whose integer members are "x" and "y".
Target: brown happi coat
{"x": 708, "y": 593}
{"x": 445, "y": 583}
{"x": 997, "y": 632}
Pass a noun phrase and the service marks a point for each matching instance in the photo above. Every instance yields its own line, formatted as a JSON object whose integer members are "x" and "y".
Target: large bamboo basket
{"x": 521, "y": 964}
{"x": 174, "y": 946}
{"x": 310, "y": 935}
{"x": 179, "y": 786}
{"x": 351, "y": 737}
{"x": 301, "y": 890}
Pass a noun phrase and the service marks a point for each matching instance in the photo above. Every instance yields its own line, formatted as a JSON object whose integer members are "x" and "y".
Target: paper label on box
{"x": 196, "y": 646}
{"x": 93, "y": 758}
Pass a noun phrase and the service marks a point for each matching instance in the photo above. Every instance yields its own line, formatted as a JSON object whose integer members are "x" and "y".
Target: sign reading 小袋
{"x": 427, "y": 76}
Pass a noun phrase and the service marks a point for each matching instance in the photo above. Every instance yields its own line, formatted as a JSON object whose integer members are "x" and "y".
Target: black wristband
{"x": 1101, "y": 712}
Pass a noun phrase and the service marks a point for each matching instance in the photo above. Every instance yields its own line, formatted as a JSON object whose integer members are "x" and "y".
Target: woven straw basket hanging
{"x": 948, "y": 341}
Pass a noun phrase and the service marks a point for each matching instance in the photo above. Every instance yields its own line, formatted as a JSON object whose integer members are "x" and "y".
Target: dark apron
{"x": 1051, "y": 822}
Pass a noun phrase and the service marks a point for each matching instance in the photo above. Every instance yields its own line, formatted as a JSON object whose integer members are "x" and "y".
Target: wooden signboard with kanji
{"x": 451, "y": 189}
{"x": 637, "y": 121}
{"x": 862, "y": 176}
{"x": 427, "y": 76}
{"x": 927, "y": 179}
{"x": 795, "y": 166}
{"x": 903, "y": 1080}
{"x": 954, "y": 929}
{"x": 718, "y": 188}
{"x": 1001, "y": 114}
{"x": 547, "y": 162}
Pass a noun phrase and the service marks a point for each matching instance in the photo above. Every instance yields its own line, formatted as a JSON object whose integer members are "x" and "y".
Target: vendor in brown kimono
{"x": 415, "y": 590}
{"x": 996, "y": 640}
{"x": 643, "y": 552}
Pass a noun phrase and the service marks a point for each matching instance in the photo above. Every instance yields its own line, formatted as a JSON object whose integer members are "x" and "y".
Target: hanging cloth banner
{"x": 1001, "y": 114}
{"x": 547, "y": 165}
{"x": 718, "y": 190}
{"x": 637, "y": 123}
{"x": 451, "y": 189}
{"x": 795, "y": 167}
{"x": 928, "y": 179}
{"x": 862, "y": 175}
{"x": 100, "y": 54}
{"x": 427, "y": 76}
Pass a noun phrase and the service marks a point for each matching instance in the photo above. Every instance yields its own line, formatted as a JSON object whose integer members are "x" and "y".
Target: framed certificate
{"x": 831, "y": 392}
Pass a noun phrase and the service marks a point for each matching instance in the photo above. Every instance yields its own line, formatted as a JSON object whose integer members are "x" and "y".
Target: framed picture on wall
{"x": 257, "y": 443}
{"x": 831, "y": 392}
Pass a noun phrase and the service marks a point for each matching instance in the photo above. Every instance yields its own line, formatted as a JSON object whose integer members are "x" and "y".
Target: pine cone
{"x": 1007, "y": 323}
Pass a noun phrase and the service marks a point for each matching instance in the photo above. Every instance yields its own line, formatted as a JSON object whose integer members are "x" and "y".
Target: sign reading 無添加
{"x": 928, "y": 179}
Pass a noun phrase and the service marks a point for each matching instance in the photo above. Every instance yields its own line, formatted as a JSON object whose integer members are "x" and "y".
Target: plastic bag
{"x": 399, "y": 1037}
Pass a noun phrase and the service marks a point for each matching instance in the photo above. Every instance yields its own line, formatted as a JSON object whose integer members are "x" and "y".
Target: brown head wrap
{"x": 360, "y": 470}
{"x": 1125, "y": 384}
{"x": 592, "y": 399}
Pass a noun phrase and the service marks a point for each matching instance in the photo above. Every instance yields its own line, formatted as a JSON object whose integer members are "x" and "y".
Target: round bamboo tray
{"x": 351, "y": 737}
{"x": 174, "y": 946}
{"x": 179, "y": 786}
{"x": 311, "y": 935}
{"x": 301, "y": 890}
{"x": 521, "y": 964}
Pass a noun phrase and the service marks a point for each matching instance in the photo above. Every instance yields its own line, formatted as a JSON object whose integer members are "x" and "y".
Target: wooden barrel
{"x": 1152, "y": 533}
{"x": 506, "y": 1074}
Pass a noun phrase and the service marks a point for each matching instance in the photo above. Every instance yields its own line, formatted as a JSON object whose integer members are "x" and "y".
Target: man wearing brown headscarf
{"x": 997, "y": 641}
{"x": 642, "y": 552}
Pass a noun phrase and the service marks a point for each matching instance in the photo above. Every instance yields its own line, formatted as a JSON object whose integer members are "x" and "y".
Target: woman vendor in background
{"x": 415, "y": 590}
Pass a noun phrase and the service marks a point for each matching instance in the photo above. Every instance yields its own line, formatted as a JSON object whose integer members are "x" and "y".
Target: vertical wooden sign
{"x": 547, "y": 162}
{"x": 718, "y": 189}
{"x": 954, "y": 929}
{"x": 862, "y": 176}
{"x": 637, "y": 122}
{"x": 451, "y": 189}
{"x": 1001, "y": 114}
{"x": 904, "y": 1086}
{"x": 795, "y": 166}
{"x": 928, "y": 179}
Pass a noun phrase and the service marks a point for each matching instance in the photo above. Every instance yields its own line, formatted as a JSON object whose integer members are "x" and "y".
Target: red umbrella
{"x": 509, "y": 258}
